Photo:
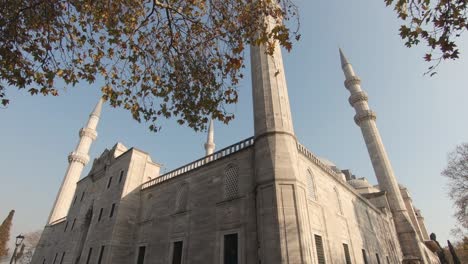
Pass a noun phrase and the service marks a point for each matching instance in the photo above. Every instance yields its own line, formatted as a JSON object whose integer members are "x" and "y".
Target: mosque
{"x": 264, "y": 200}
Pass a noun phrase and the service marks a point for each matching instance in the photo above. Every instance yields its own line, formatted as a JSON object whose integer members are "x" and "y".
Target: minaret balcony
{"x": 88, "y": 132}
{"x": 78, "y": 157}
{"x": 364, "y": 116}
{"x": 352, "y": 81}
{"x": 357, "y": 97}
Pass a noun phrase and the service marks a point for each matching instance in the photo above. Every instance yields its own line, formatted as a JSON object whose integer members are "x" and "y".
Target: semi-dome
{"x": 360, "y": 183}
{"x": 327, "y": 162}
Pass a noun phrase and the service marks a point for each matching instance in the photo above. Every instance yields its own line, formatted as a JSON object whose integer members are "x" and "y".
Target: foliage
{"x": 437, "y": 23}
{"x": 156, "y": 58}
{"x": 457, "y": 174}
{"x": 5, "y": 233}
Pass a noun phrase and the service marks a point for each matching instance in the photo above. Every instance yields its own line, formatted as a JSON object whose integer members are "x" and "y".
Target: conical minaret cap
{"x": 210, "y": 145}
{"x": 98, "y": 108}
{"x": 210, "y": 138}
{"x": 343, "y": 58}
{"x": 346, "y": 66}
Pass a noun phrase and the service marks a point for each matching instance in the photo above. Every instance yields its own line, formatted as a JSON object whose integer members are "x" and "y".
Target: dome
{"x": 359, "y": 183}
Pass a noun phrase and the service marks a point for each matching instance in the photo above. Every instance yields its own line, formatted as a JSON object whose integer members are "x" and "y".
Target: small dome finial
{"x": 343, "y": 58}
{"x": 210, "y": 145}
{"x": 98, "y": 107}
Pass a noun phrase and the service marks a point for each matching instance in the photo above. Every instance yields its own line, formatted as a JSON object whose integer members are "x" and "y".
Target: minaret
{"x": 365, "y": 119}
{"x": 77, "y": 160}
{"x": 210, "y": 145}
{"x": 280, "y": 204}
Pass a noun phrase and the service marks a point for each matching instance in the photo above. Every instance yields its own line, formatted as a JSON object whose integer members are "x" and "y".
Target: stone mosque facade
{"x": 264, "y": 200}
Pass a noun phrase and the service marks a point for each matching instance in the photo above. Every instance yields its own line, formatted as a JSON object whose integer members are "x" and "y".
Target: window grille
{"x": 63, "y": 256}
{"x": 89, "y": 255}
{"x": 141, "y": 255}
{"x": 100, "y": 214}
{"x": 364, "y": 256}
{"x": 109, "y": 182}
{"x": 177, "y": 252}
{"x": 231, "y": 249}
{"x": 319, "y": 248}
{"x": 182, "y": 198}
{"x": 112, "y": 210}
{"x": 121, "y": 176}
{"x": 311, "y": 194}
{"x": 346, "y": 253}
{"x": 101, "y": 253}
{"x": 338, "y": 198}
{"x": 231, "y": 182}
{"x": 73, "y": 224}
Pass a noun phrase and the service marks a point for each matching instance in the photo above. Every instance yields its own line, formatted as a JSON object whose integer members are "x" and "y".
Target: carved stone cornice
{"x": 364, "y": 115}
{"x": 357, "y": 97}
{"x": 88, "y": 133}
{"x": 78, "y": 157}
{"x": 351, "y": 81}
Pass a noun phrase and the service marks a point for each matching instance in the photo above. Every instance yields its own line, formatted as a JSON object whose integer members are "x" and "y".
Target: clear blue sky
{"x": 420, "y": 118}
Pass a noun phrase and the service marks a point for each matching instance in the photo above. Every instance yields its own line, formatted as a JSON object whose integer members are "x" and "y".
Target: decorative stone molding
{"x": 78, "y": 157}
{"x": 353, "y": 80}
{"x": 357, "y": 97}
{"x": 88, "y": 133}
{"x": 364, "y": 115}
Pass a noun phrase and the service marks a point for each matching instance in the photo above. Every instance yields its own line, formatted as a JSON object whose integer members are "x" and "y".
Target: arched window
{"x": 231, "y": 182}
{"x": 311, "y": 193}
{"x": 182, "y": 198}
{"x": 338, "y": 199}
{"x": 369, "y": 219}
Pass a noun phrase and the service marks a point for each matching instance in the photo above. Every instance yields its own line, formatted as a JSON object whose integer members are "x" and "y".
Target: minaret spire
{"x": 365, "y": 119}
{"x": 77, "y": 160}
{"x": 210, "y": 145}
{"x": 343, "y": 59}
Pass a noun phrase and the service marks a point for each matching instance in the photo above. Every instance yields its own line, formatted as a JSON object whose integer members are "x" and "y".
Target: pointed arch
{"x": 231, "y": 181}
{"x": 182, "y": 198}
{"x": 338, "y": 199}
{"x": 311, "y": 188}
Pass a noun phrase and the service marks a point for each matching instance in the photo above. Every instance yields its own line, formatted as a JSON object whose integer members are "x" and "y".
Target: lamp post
{"x": 19, "y": 241}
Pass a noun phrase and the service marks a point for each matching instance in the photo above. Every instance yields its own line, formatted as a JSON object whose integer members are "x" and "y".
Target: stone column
{"x": 77, "y": 160}
{"x": 365, "y": 119}
{"x": 280, "y": 194}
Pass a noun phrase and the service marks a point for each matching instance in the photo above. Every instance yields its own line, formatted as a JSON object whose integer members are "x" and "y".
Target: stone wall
{"x": 113, "y": 184}
{"x": 198, "y": 208}
{"x": 340, "y": 216}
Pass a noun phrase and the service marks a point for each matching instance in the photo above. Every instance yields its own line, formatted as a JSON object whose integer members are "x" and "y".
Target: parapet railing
{"x": 315, "y": 159}
{"x": 200, "y": 162}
